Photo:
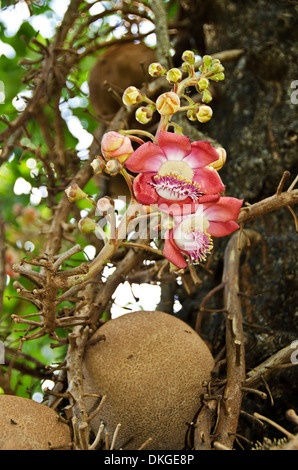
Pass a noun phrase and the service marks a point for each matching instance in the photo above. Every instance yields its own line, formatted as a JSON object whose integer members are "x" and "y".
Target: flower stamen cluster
{"x": 204, "y": 246}
{"x": 176, "y": 187}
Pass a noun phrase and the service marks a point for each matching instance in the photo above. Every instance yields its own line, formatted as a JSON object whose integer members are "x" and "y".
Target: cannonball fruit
{"x": 28, "y": 425}
{"x": 153, "y": 369}
{"x": 120, "y": 66}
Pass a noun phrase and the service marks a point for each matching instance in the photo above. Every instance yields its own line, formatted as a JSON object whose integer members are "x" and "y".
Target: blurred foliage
{"x": 25, "y": 208}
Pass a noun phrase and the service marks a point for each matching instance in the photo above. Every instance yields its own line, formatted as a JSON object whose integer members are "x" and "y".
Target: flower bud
{"x": 98, "y": 165}
{"x": 86, "y": 225}
{"x": 207, "y": 97}
{"x": 113, "y": 167}
{"x": 188, "y": 56}
{"x": 207, "y": 60}
{"x": 74, "y": 193}
{"x": 105, "y": 205}
{"x": 218, "y": 164}
{"x": 167, "y": 223}
{"x": 202, "y": 84}
{"x": 191, "y": 114}
{"x": 174, "y": 75}
{"x": 216, "y": 68}
{"x": 156, "y": 69}
{"x": 204, "y": 113}
{"x": 131, "y": 96}
{"x": 217, "y": 77}
{"x": 144, "y": 114}
{"x": 115, "y": 145}
{"x": 168, "y": 103}
{"x": 185, "y": 67}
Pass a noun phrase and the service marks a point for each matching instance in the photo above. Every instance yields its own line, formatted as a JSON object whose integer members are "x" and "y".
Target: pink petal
{"x": 202, "y": 154}
{"x": 177, "y": 208}
{"x": 224, "y": 210}
{"x": 209, "y": 198}
{"x": 144, "y": 192}
{"x": 180, "y": 209}
{"x": 175, "y": 146}
{"x": 147, "y": 158}
{"x": 221, "y": 229}
{"x": 209, "y": 180}
{"x": 172, "y": 252}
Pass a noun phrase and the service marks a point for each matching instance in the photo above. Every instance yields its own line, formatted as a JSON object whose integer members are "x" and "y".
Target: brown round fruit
{"x": 153, "y": 368}
{"x": 28, "y": 425}
{"x": 120, "y": 66}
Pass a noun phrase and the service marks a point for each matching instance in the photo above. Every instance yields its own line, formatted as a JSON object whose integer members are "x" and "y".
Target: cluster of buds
{"x": 169, "y": 103}
{"x": 116, "y": 148}
{"x": 212, "y": 68}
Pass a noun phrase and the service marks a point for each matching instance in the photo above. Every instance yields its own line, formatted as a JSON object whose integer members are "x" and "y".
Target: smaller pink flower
{"x": 192, "y": 236}
{"x": 175, "y": 171}
{"x": 115, "y": 145}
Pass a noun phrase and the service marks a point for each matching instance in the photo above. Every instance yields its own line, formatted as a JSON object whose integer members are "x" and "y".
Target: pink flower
{"x": 115, "y": 145}
{"x": 175, "y": 170}
{"x": 192, "y": 236}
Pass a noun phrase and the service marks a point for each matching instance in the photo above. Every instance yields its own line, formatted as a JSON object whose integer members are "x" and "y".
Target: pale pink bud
{"x": 98, "y": 165}
{"x": 113, "y": 167}
{"x": 115, "y": 145}
{"x": 168, "y": 103}
{"x": 105, "y": 205}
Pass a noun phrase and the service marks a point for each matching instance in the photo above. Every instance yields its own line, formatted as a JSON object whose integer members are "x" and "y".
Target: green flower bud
{"x": 185, "y": 67}
{"x": 174, "y": 75}
{"x": 204, "y": 113}
{"x": 144, "y": 114}
{"x": 75, "y": 193}
{"x": 191, "y": 114}
{"x": 218, "y": 77}
{"x": 217, "y": 67}
{"x": 207, "y": 97}
{"x": 189, "y": 57}
{"x": 207, "y": 60}
{"x": 86, "y": 225}
{"x": 202, "y": 84}
{"x": 156, "y": 69}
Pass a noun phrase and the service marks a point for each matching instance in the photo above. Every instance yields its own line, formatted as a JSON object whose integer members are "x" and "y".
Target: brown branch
{"x": 277, "y": 201}
{"x": 235, "y": 354}
{"x": 269, "y": 366}
{"x": 163, "y": 44}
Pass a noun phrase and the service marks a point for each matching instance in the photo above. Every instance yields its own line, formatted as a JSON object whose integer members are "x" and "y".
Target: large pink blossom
{"x": 175, "y": 171}
{"x": 192, "y": 236}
